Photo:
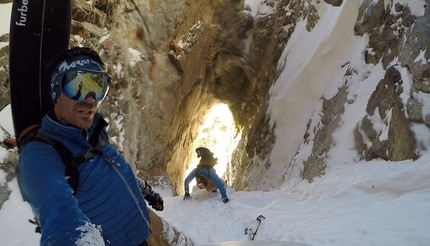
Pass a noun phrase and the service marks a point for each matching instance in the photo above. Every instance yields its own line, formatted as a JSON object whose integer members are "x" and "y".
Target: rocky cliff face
{"x": 398, "y": 36}
{"x": 398, "y": 39}
{"x": 171, "y": 61}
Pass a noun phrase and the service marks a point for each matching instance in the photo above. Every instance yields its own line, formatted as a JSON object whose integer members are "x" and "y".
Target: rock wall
{"x": 4, "y": 73}
{"x": 398, "y": 37}
{"x": 172, "y": 61}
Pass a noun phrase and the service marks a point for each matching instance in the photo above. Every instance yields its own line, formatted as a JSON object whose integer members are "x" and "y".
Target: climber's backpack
{"x": 207, "y": 161}
{"x": 202, "y": 180}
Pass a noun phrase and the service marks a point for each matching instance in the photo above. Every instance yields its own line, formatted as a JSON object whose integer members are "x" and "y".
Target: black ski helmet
{"x": 204, "y": 152}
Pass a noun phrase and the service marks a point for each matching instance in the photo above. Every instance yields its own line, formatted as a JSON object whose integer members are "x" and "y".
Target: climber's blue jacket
{"x": 107, "y": 207}
{"x": 210, "y": 174}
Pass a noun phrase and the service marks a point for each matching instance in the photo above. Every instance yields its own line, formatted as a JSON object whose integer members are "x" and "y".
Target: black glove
{"x": 225, "y": 199}
{"x": 187, "y": 196}
{"x": 154, "y": 199}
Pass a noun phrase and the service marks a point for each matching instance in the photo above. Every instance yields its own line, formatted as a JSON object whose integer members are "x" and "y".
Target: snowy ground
{"x": 355, "y": 203}
{"x": 367, "y": 203}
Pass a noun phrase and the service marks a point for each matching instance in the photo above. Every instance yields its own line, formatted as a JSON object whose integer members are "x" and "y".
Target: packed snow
{"x": 354, "y": 203}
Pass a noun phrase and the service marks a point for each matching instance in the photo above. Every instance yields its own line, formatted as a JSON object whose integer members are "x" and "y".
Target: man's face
{"x": 77, "y": 113}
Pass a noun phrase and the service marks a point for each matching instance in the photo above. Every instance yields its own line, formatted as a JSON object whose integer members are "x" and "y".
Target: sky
{"x": 355, "y": 203}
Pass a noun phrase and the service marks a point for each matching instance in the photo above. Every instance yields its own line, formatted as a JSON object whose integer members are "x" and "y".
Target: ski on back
{"x": 39, "y": 31}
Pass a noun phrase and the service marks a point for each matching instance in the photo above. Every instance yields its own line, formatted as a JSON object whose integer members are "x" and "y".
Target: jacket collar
{"x": 62, "y": 131}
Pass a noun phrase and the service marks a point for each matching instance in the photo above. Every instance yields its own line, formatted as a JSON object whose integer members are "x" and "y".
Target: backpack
{"x": 206, "y": 162}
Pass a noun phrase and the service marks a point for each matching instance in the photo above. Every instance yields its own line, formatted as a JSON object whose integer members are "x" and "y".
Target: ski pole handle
{"x": 260, "y": 218}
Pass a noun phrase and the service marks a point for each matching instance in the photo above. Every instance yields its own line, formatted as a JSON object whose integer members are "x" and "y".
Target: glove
{"x": 155, "y": 201}
{"x": 187, "y": 196}
{"x": 225, "y": 199}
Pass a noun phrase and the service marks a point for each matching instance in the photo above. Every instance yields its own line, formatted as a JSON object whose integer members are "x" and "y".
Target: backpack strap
{"x": 71, "y": 164}
{"x": 90, "y": 153}
{"x": 71, "y": 170}
{"x": 94, "y": 140}
{"x": 26, "y": 136}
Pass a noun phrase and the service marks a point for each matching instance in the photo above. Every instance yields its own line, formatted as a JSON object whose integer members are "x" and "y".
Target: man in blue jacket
{"x": 108, "y": 206}
{"x": 206, "y": 177}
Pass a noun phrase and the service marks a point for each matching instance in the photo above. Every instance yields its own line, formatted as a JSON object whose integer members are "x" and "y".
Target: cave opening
{"x": 219, "y": 134}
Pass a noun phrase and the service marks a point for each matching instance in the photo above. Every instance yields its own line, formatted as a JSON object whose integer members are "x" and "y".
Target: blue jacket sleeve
{"x": 218, "y": 182}
{"x": 189, "y": 178}
{"x": 43, "y": 184}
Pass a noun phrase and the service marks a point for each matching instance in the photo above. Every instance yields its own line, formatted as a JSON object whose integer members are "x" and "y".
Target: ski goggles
{"x": 80, "y": 84}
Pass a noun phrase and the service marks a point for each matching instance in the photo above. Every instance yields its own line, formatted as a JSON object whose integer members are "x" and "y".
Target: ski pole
{"x": 259, "y": 219}
{"x": 249, "y": 231}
